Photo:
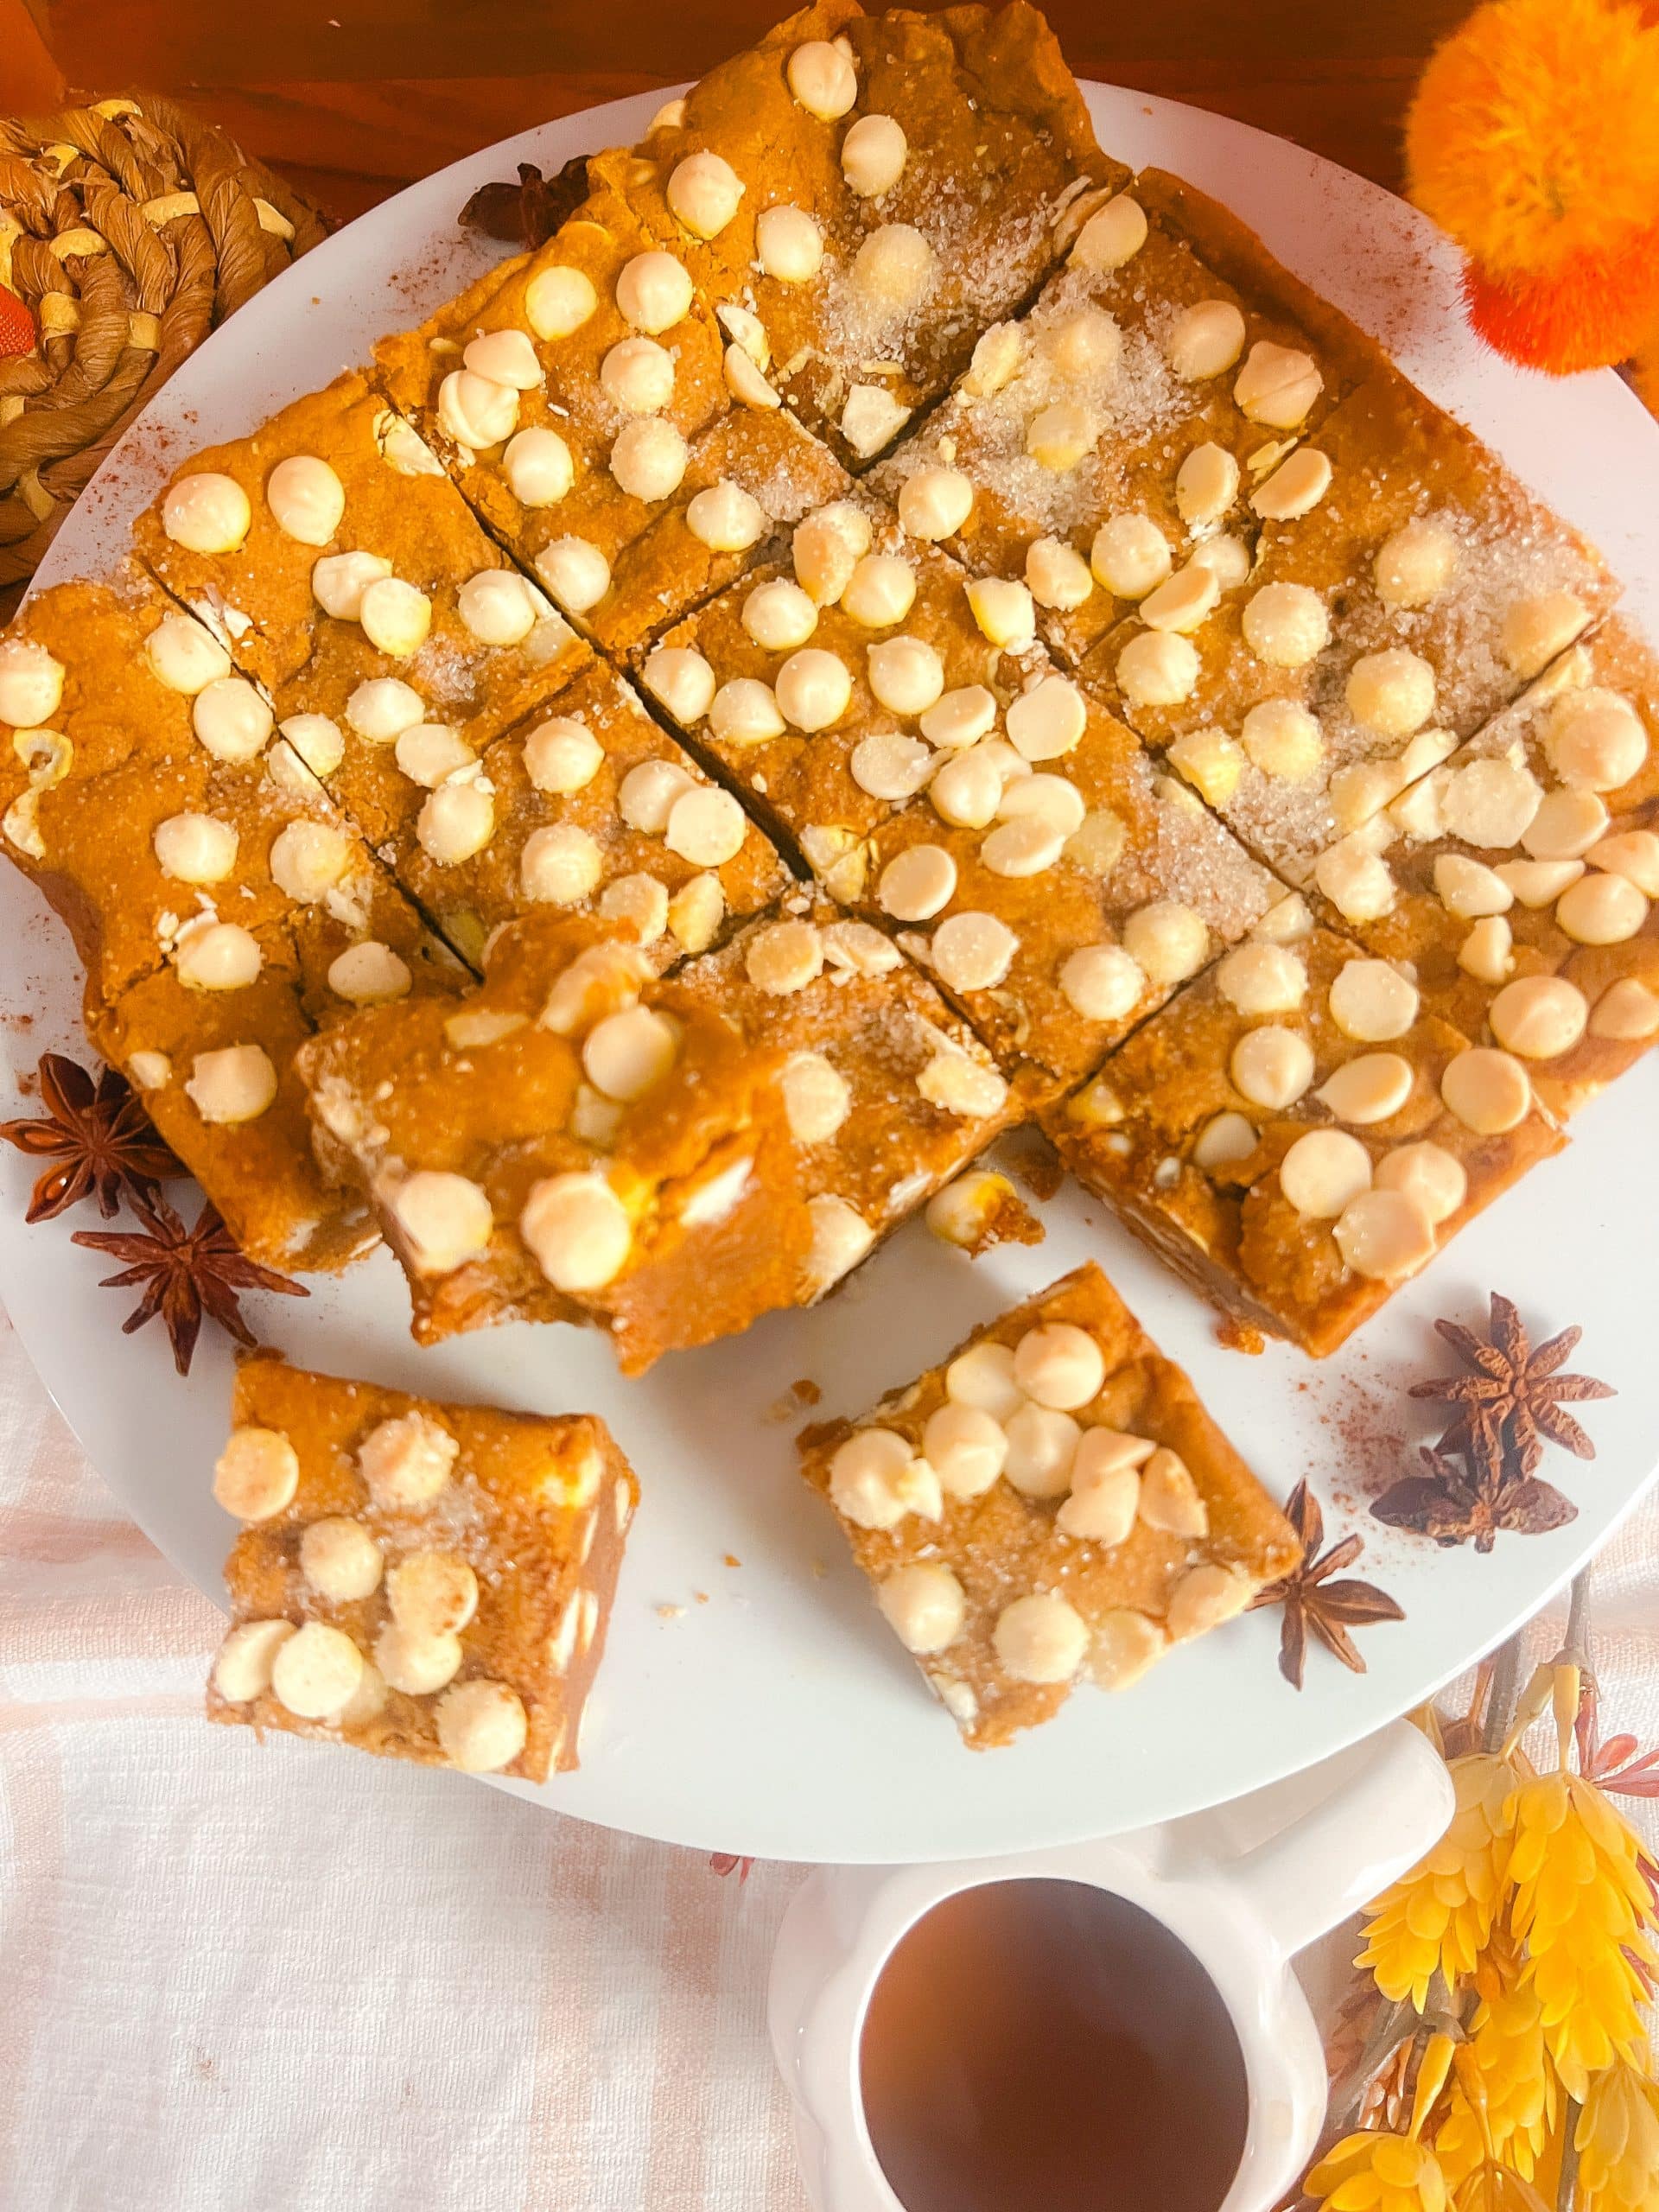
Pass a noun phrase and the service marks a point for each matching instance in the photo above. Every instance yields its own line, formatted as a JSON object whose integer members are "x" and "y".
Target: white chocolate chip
{"x": 870, "y": 417}
{"x": 879, "y": 591}
{"x": 639, "y": 900}
{"x": 1567, "y": 825}
{"x": 575, "y": 572}
{"x": 995, "y": 362}
{"x": 444, "y": 1220}
{"x": 31, "y": 682}
{"x": 308, "y": 859}
{"x": 236, "y": 1083}
{"x": 906, "y": 674}
{"x": 725, "y": 518}
{"x": 1602, "y": 909}
{"x": 538, "y": 468}
{"x": 316, "y": 1671}
{"x": 1416, "y": 564}
{"x": 696, "y": 913}
{"x": 1371, "y": 1087}
{"x": 1489, "y": 1091}
{"x": 1263, "y": 979}
{"x": 1206, "y": 484}
{"x": 562, "y": 756}
{"x": 1272, "y": 1066}
{"x": 369, "y": 974}
{"x": 822, "y": 79}
{"x": 560, "y": 865}
{"x": 1294, "y": 488}
{"x": 1489, "y": 803}
{"x": 637, "y": 375}
{"x": 1059, "y": 1365}
{"x": 1003, "y": 609}
{"x": 1105, "y": 1487}
{"x": 1205, "y": 340}
{"x": 784, "y": 957}
{"x": 813, "y": 689}
{"x": 1210, "y": 762}
{"x": 956, "y": 1085}
{"x": 1356, "y": 879}
{"x": 341, "y": 1559}
{"x": 1042, "y": 1444}
{"x": 788, "y": 245}
{"x": 455, "y": 822}
{"x": 703, "y": 193}
{"x": 415, "y": 1664}
{"x": 841, "y": 1237}
{"x": 875, "y": 1480}
{"x": 577, "y": 1231}
{"x": 1384, "y": 1236}
{"x": 934, "y": 503}
{"x": 1085, "y": 345}
{"x": 1487, "y": 953}
{"x": 983, "y": 1377}
{"x": 1182, "y": 601}
{"x": 339, "y": 580}
{"x": 231, "y": 719}
{"x": 257, "y": 1474}
{"x": 1040, "y": 1639}
{"x": 778, "y": 615}
{"x": 1626, "y": 1013}
{"x": 1224, "y": 1139}
{"x": 745, "y": 381}
{"x": 217, "y": 956}
{"x": 207, "y": 513}
{"x": 1168, "y": 940}
{"x": 1126, "y": 1644}
{"x": 1283, "y": 739}
{"x": 706, "y": 827}
{"x": 1595, "y": 740}
{"x": 1056, "y": 575}
{"x": 965, "y": 1447}
{"x": 653, "y": 291}
{"x": 916, "y": 883}
{"x": 1632, "y": 853}
{"x": 1535, "y": 630}
{"x": 1206, "y": 1598}
{"x": 1102, "y": 982}
{"x": 1391, "y": 692}
{"x": 382, "y": 709}
{"x": 1286, "y": 624}
{"x": 1539, "y": 1017}
{"x": 967, "y": 789}
{"x": 1112, "y": 235}
{"x": 817, "y": 1097}
{"x": 1372, "y": 1002}
{"x": 627, "y": 1053}
{"x": 744, "y": 712}
{"x": 431, "y": 753}
{"x": 1277, "y": 384}
{"x": 826, "y": 548}
{"x": 1228, "y": 559}
{"x": 1433, "y": 1178}
{"x": 306, "y": 498}
{"x": 923, "y": 1606}
{"x": 475, "y": 411}
{"x": 1157, "y": 669}
{"x": 482, "y": 1725}
{"x": 873, "y": 155}
{"x": 432, "y": 1593}
{"x": 1061, "y": 434}
{"x": 558, "y": 300}
{"x": 506, "y": 357}
{"x": 181, "y": 654}
{"x": 648, "y": 459}
{"x": 1538, "y": 883}
{"x": 959, "y": 718}
{"x": 1170, "y": 1499}
{"x": 889, "y": 766}
{"x": 1047, "y": 721}
{"x": 194, "y": 848}
{"x": 242, "y": 1668}
{"x": 396, "y": 617}
{"x": 406, "y": 1461}
{"x": 894, "y": 268}
{"x": 1323, "y": 1170}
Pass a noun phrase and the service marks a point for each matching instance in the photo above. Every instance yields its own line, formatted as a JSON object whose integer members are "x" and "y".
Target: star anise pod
{"x": 1469, "y": 1494}
{"x": 1516, "y": 1391}
{"x": 184, "y": 1274}
{"x": 1317, "y": 1599}
{"x": 527, "y": 214}
{"x": 98, "y": 1137}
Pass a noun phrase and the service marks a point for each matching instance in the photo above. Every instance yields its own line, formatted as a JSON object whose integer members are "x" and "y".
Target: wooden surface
{"x": 353, "y": 99}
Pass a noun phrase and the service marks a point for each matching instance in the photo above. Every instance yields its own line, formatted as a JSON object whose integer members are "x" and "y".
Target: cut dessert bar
{"x": 577, "y": 1141}
{"x": 589, "y": 806}
{"x": 1296, "y": 1136}
{"x": 887, "y": 1093}
{"x": 426, "y": 1582}
{"x": 831, "y": 687}
{"x": 1519, "y": 879}
{"x": 860, "y": 195}
{"x": 1060, "y": 901}
{"x": 579, "y": 399}
{"x": 1098, "y": 445}
{"x": 1050, "y": 1505}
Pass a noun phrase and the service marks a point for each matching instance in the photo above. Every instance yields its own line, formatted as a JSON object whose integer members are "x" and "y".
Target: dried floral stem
{"x": 1576, "y": 1643}
{"x": 1567, "y": 2187}
{"x": 1394, "y": 2025}
{"x": 1500, "y": 1702}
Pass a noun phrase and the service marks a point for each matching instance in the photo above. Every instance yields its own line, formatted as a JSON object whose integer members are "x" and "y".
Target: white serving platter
{"x": 762, "y": 1706}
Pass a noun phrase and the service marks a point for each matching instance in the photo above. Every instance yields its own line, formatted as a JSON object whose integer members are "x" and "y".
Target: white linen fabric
{"x": 236, "y": 1978}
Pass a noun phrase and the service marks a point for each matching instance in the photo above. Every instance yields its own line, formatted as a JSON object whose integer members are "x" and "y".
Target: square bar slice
{"x": 862, "y": 196}
{"x": 1520, "y": 878}
{"x": 886, "y": 1092}
{"x": 579, "y": 398}
{"x": 1050, "y": 1505}
{"x": 1113, "y": 434}
{"x": 426, "y": 1582}
{"x": 1295, "y": 1134}
{"x": 577, "y": 1141}
{"x": 1059, "y": 902}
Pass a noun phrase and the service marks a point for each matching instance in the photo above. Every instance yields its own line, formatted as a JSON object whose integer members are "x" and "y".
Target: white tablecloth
{"x": 247, "y": 1979}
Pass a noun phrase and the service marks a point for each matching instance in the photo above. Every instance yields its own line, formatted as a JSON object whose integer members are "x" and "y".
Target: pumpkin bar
{"x": 589, "y": 806}
{"x": 1059, "y": 900}
{"x": 578, "y": 397}
{"x": 886, "y": 1092}
{"x": 1296, "y": 1135}
{"x": 829, "y": 687}
{"x": 1097, "y": 445}
{"x": 1050, "y": 1505}
{"x": 860, "y": 195}
{"x": 1519, "y": 879}
{"x": 427, "y": 1582}
{"x": 578, "y": 1139}
{"x": 328, "y": 550}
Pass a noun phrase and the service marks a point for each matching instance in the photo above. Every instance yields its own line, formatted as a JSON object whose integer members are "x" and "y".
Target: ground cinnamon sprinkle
{"x": 807, "y": 1391}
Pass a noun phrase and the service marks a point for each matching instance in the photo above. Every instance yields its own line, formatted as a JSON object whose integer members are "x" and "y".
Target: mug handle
{"x": 1346, "y": 1849}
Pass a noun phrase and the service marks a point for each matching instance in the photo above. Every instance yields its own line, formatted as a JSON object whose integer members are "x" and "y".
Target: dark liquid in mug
{"x": 1043, "y": 2046}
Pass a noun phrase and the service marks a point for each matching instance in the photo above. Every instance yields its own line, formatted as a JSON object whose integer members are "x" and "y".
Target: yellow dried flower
{"x": 1373, "y": 2172}
{"x": 1504, "y": 2065}
{"x": 1440, "y": 1915}
{"x": 1617, "y": 2143}
{"x": 1494, "y": 2188}
{"x": 1580, "y": 1904}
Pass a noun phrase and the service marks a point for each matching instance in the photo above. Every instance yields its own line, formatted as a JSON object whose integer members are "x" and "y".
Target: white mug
{"x": 1243, "y": 1889}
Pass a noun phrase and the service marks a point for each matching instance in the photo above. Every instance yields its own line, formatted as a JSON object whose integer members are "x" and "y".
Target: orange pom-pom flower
{"x": 1532, "y": 141}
